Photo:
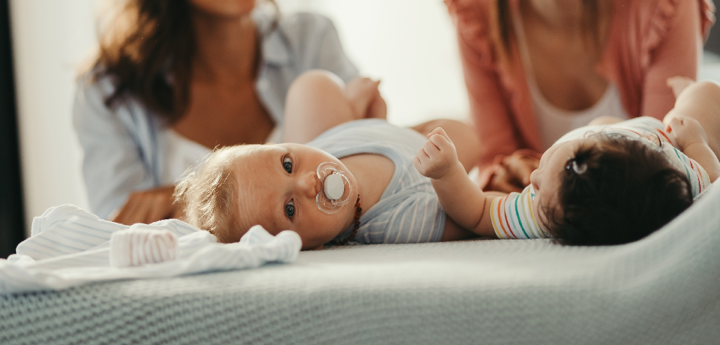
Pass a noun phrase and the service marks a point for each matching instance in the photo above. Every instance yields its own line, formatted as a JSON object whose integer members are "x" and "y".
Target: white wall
{"x": 409, "y": 44}
{"x": 50, "y": 39}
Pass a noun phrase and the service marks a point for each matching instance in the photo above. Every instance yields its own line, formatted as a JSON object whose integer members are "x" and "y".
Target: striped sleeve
{"x": 513, "y": 218}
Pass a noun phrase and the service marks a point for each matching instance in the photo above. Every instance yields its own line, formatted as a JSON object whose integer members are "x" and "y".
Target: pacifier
{"x": 336, "y": 189}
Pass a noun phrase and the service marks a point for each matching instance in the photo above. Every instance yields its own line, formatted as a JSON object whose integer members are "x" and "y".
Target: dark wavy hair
{"x": 626, "y": 190}
{"x": 148, "y": 50}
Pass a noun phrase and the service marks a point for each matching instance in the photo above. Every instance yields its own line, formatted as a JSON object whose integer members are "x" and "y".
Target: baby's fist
{"x": 687, "y": 131}
{"x": 438, "y": 156}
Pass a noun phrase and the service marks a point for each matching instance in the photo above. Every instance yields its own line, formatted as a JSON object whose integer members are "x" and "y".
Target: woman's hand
{"x": 365, "y": 99}
{"x": 147, "y": 206}
{"x": 513, "y": 172}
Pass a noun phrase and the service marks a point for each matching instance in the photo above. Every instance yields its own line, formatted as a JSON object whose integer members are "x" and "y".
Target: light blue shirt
{"x": 123, "y": 146}
{"x": 408, "y": 210}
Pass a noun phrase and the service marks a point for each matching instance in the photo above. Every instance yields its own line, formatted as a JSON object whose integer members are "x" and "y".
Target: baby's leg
{"x": 462, "y": 135}
{"x": 315, "y": 103}
{"x": 701, "y": 101}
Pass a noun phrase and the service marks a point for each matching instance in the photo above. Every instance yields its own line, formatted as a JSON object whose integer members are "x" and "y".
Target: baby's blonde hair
{"x": 208, "y": 194}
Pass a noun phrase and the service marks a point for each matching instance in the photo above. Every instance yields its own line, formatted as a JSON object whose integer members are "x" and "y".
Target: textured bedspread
{"x": 664, "y": 289}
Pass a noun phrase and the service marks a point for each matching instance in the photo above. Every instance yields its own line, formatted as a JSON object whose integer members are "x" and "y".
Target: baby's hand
{"x": 687, "y": 131}
{"x": 438, "y": 156}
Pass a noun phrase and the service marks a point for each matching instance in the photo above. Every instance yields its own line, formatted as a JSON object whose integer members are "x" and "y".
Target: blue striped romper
{"x": 409, "y": 210}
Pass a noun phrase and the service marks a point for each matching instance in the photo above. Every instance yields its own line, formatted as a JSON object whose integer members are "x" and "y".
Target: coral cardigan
{"x": 650, "y": 41}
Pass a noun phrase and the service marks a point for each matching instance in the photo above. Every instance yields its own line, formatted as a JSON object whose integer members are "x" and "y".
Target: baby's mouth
{"x": 336, "y": 189}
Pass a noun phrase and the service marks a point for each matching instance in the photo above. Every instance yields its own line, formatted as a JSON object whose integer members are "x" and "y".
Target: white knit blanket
{"x": 664, "y": 289}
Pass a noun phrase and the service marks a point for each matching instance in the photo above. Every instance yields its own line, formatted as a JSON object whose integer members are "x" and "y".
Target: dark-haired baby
{"x": 597, "y": 185}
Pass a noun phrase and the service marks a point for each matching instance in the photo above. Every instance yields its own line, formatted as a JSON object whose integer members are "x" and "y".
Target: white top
{"x": 181, "y": 153}
{"x": 554, "y": 122}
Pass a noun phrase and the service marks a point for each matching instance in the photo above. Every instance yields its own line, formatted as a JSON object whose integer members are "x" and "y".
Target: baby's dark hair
{"x": 616, "y": 190}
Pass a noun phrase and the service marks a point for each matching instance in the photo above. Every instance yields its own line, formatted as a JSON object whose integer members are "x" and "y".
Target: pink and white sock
{"x": 140, "y": 246}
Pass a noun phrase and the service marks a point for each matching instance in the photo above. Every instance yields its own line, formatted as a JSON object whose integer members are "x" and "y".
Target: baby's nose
{"x": 310, "y": 185}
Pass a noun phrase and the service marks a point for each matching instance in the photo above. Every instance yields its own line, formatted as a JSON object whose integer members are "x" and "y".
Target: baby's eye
{"x": 287, "y": 164}
{"x": 290, "y": 209}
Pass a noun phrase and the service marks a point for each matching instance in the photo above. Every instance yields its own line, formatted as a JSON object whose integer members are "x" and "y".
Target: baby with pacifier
{"x": 349, "y": 176}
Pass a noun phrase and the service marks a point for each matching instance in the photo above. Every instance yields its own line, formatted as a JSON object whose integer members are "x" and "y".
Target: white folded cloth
{"x": 70, "y": 246}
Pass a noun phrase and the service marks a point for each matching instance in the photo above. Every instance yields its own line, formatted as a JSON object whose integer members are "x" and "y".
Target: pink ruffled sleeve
{"x": 672, "y": 46}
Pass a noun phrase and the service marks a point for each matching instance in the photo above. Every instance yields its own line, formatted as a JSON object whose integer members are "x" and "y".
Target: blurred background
{"x": 408, "y": 44}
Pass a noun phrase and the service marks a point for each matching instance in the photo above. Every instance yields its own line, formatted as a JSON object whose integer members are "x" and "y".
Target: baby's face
{"x": 277, "y": 185}
{"x": 547, "y": 177}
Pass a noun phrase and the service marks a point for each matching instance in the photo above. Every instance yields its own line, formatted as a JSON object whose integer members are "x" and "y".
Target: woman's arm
{"x": 147, "y": 206}
{"x": 112, "y": 165}
{"x": 502, "y": 167}
{"x": 489, "y": 110}
{"x": 677, "y": 54}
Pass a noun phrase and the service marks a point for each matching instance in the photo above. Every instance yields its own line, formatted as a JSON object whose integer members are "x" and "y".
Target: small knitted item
{"x": 140, "y": 246}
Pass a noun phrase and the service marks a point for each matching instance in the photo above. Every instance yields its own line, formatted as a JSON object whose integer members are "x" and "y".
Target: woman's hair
{"x": 503, "y": 29}
{"x": 148, "y": 48}
{"x": 208, "y": 194}
{"x": 147, "y": 42}
{"x": 616, "y": 190}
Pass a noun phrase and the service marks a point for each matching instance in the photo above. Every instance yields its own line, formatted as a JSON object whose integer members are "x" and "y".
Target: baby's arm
{"x": 693, "y": 142}
{"x": 461, "y": 199}
{"x": 700, "y": 101}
